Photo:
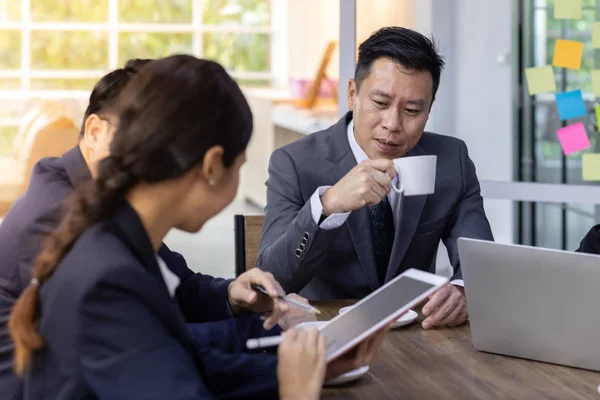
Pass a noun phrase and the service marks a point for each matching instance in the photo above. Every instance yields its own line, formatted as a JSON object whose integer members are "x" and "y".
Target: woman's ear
{"x": 213, "y": 168}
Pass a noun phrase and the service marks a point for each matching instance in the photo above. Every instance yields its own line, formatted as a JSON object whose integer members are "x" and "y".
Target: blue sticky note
{"x": 570, "y": 105}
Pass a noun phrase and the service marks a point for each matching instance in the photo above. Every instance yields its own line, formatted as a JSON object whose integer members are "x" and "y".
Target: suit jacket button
{"x": 298, "y": 253}
{"x": 302, "y": 247}
{"x": 306, "y": 235}
{"x": 304, "y": 241}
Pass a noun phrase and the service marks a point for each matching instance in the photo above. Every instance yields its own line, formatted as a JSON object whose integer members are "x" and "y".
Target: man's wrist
{"x": 327, "y": 203}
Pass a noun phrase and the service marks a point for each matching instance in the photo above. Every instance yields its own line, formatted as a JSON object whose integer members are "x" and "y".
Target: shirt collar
{"x": 359, "y": 153}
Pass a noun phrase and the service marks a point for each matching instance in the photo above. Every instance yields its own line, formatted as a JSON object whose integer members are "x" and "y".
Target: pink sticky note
{"x": 573, "y": 138}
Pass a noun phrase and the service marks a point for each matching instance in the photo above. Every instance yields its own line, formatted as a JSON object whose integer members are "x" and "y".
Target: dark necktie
{"x": 382, "y": 227}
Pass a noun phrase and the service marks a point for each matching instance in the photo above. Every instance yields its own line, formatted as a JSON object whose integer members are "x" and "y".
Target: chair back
{"x": 50, "y": 134}
{"x": 248, "y": 230}
{"x": 41, "y": 108}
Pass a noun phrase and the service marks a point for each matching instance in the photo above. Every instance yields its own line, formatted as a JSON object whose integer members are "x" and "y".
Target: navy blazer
{"x": 111, "y": 329}
{"x": 200, "y": 297}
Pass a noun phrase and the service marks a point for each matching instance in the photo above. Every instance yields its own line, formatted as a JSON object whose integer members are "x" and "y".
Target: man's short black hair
{"x": 402, "y": 46}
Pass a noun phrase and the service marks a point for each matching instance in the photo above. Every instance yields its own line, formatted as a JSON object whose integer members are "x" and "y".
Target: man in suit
{"x": 201, "y": 298}
{"x": 332, "y": 228}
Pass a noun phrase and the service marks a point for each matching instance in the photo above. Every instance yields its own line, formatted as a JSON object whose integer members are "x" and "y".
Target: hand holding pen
{"x": 289, "y": 300}
{"x": 243, "y": 297}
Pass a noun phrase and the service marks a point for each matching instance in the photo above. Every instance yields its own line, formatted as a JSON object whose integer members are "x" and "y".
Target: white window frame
{"x": 14, "y": 101}
{"x": 113, "y": 27}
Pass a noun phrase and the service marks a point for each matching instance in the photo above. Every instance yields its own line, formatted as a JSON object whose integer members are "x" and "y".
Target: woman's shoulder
{"x": 100, "y": 253}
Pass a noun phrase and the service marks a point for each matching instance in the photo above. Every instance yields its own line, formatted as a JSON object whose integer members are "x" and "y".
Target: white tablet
{"x": 379, "y": 308}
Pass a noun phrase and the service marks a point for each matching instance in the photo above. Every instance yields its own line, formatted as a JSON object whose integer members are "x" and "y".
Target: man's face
{"x": 391, "y": 109}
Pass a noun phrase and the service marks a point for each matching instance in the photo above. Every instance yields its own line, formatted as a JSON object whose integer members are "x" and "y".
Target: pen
{"x": 305, "y": 307}
{"x": 259, "y": 343}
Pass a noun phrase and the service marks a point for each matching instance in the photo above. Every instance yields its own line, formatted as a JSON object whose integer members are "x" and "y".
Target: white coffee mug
{"x": 415, "y": 174}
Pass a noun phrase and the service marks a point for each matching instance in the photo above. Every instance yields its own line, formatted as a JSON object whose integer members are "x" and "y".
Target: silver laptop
{"x": 533, "y": 303}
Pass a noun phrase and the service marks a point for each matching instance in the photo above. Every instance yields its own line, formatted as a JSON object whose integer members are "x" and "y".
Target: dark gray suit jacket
{"x": 340, "y": 263}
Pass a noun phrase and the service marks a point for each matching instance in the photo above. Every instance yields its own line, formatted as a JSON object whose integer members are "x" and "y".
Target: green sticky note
{"x": 596, "y": 35}
{"x": 540, "y": 80}
{"x": 598, "y": 116}
{"x": 591, "y": 166}
{"x": 596, "y": 82}
{"x": 567, "y": 9}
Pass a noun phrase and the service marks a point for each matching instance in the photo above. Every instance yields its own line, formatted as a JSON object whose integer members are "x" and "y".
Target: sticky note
{"x": 596, "y": 82}
{"x": 590, "y": 166}
{"x": 598, "y": 116}
{"x": 567, "y": 9}
{"x": 540, "y": 80}
{"x": 596, "y": 35}
{"x": 573, "y": 138}
{"x": 570, "y": 105}
{"x": 567, "y": 54}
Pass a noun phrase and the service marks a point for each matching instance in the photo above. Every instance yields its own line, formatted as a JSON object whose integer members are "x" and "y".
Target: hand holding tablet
{"x": 374, "y": 312}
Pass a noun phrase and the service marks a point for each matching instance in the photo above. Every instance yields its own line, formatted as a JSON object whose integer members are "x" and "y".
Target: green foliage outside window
{"x": 88, "y": 50}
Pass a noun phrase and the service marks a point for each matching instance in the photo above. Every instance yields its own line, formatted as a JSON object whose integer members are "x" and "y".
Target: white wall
{"x": 474, "y": 101}
{"x": 374, "y": 14}
{"x": 313, "y": 23}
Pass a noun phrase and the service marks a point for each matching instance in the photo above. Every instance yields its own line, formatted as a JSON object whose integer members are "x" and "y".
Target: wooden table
{"x": 442, "y": 364}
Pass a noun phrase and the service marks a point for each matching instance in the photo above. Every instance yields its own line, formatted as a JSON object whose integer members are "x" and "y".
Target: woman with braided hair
{"x": 98, "y": 320}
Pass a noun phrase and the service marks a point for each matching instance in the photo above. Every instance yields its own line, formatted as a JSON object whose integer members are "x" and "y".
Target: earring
{"x": 211, "y": 182}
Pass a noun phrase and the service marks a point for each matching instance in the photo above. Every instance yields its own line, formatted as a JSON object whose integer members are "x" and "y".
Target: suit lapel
{"x": 411, "y": 208}
{"x": 133, "y": 232}
{"x": 358, "y": 223}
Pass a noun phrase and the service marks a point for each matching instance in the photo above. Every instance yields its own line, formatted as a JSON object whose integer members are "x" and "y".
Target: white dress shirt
{"x": 171, "y": 280}
{"x": 337, "y": 219}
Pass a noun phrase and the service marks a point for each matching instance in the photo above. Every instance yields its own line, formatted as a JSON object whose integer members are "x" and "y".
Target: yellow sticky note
{"x": 596, "y": 82}
{"x": 567, "y": 9}
{"x": 596, "y": 35}
{"x": 597, "y": 116}
{"x": 540, "y": 80}
{"x": 567, "y": 54}
{"x": 591, "y": 166}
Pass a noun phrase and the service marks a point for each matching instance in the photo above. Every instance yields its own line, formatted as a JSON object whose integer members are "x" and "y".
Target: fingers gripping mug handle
{"x": 399, "y": 189}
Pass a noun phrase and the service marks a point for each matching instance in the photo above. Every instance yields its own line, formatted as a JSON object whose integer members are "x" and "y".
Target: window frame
{"x": 113, "y": 27}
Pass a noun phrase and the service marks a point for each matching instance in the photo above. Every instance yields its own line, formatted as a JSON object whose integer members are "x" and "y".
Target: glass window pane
{"x": 10, "y": 10}
{"x": 548, "y": 231}
{"x": 63, "y": 84}
{"x": 10, "y": 49}
{"x": 242, "y": 12}
{"x": 152, "y": 45}
{"x": 69, "y": 50}
{"x": 548, "y": 153}
{"x": 10, "y": 84}
{"x": 162, "y": 11}
{"x": 550, "y": 3}
{"x": 63, "y": 10}
{"x": 238, "y": 52}
{"x": 7, "y": 133}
